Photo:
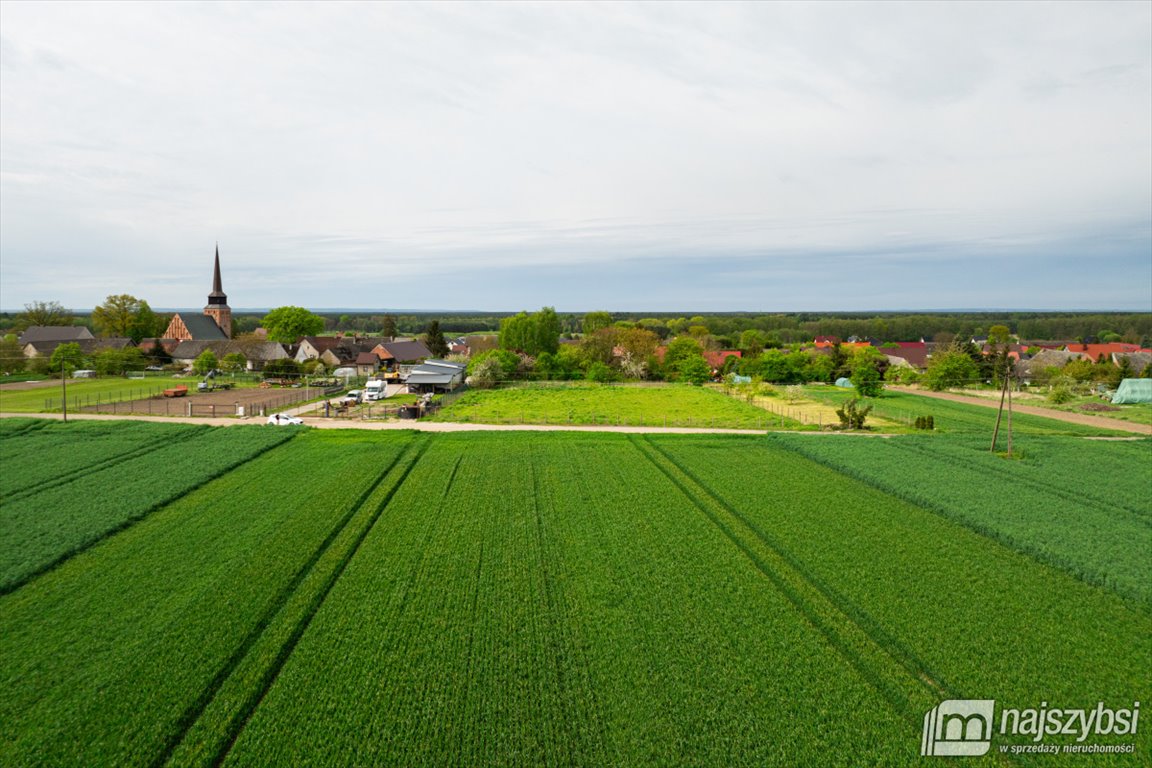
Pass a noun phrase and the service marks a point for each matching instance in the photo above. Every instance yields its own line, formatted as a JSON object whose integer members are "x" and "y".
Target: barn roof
{"x": 35, "y": 334}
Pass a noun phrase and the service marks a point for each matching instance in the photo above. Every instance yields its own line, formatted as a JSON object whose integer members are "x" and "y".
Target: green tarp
{"x": 1133, "y": 391}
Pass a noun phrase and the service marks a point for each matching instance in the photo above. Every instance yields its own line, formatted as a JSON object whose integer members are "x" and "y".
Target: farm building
{"x": 38, "y": 334}
{"x": 435, "y": 376}
{"x": 89, "y": 346}
{"x": 256, "y": 355}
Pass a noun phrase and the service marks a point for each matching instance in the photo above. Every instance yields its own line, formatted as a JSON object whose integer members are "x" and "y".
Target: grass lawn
{"x": 660, "y": 405}
{"x": 83, "y": 392}
{"x": 949, "y": 417}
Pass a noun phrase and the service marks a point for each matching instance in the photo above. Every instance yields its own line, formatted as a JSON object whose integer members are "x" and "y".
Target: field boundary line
{"x": 411, "y": 457}
{"x": 133, "y": 521}
{"x": 888, "y": 672}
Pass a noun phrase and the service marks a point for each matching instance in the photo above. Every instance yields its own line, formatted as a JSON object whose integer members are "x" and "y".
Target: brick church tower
{"x": 218, "y": 308}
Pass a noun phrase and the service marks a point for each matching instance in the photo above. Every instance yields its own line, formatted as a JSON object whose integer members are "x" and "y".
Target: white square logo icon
{"x": 958, "y": 727}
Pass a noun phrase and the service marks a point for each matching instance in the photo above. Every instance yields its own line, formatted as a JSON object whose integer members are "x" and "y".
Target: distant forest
{"x": 788, "y": 328}
{"x": 782, "y": 328}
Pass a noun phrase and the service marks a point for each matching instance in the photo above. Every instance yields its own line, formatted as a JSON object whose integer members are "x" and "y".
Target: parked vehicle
{"x": 375, "y": 389}
{"x": 283, "y": 420}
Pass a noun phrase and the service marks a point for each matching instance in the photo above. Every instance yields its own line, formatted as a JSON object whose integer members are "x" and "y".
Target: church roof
{"x": 202, "y": 327}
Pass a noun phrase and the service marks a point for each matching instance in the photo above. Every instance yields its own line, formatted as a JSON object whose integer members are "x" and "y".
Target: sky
{"x": 759, "y": 156}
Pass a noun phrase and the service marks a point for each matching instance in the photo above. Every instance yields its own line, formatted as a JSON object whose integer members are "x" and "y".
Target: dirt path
{"x": 420, "y": 426}
{"x": 1072, "y": 418}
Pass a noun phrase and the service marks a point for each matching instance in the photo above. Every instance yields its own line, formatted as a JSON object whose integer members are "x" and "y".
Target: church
{"x": 215, "y": 324}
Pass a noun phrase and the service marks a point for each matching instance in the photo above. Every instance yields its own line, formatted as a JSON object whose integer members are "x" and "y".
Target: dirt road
{"x": 1072, "y": 418}
{"x": 431, "y": 426}
{"x": 420, "y": 426}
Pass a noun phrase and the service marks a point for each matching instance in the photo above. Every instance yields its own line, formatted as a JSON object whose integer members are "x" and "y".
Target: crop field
{"x": 666, "y": 405}
{"x": 395, "y": 598}
{"x": 954, "y": 418}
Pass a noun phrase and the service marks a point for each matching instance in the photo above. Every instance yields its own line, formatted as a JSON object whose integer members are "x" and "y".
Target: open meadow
{"x": 653, "y": 405}
{"x": 340, "y": 597}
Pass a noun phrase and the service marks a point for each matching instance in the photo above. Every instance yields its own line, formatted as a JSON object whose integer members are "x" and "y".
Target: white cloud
{"x": 396, "y": 138}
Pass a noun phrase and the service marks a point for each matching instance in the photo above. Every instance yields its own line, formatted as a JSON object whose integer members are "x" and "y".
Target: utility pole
{"x": 1005, "y": 393}
{"x": 64, "y": 388}
{"x": 999, "y": 413}
{"x": 1008, "y": 378}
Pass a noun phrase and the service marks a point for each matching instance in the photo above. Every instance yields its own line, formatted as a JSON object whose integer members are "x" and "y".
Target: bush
{"x": 925, "y": 422}
{"x": 487, "y": 373}
{"x": 1060, "y": 394}
{"x": 852, "y": 415}
{"x": 598, "y": 371}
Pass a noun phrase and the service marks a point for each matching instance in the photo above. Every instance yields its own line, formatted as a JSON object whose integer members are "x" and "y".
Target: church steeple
{"x": 218, "y": 308}
{"x": 217, "y": 296}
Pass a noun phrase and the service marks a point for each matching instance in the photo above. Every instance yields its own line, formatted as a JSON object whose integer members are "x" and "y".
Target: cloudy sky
{"x": 708, "y": 157}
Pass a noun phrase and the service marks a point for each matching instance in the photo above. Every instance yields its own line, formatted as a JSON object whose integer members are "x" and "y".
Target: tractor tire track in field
{"x": 132, "y": 521}
{"x": 879, "y": 658}
{"x": 186, "y": 745}
{"x": 99, "y": 466}
{"x": 578, "y": 681}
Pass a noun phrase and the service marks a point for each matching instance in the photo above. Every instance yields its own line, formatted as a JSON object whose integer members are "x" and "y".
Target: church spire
{"x": 217, "y": 296}
{"x": 218, "y": 308}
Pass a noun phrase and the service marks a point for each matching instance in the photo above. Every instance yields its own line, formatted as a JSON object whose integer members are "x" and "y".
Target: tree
{"x": 388, "y": 327}
{"x": 284, "y": 367}
{"x": 66, "y": 358}
{"x": 531, "y": 334}
{"x": 639, "y": 342}
{"x": 680, "y": 349}
{"x": 751, "y": 342}
{"x": 117, "y": 362}
{"x": 597, "y": 347}
{"x": 233, "y": 362}
{"x": 486, "y": 374}
{"x": 288, "y": 324}
{"x": 434, "y": 340}
{"x": 547, "y": 332}
{"x": 44, "y": 313}
{"x": 205, "y": 363}
{"x": 117, "y": 316}
{"x": 509, "y": 363}
{"x": 594, "y": 321}
{"x": 11, "y": 355}
{"x": 866, "y": 379}
{"x": 999, "y": 335}
{"x": 693, "y": 370}
{"x": 148, "y": 324}
{"x": 951, "y": 367}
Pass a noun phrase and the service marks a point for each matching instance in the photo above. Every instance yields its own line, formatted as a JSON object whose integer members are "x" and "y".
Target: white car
{"x": 283, "y": 419}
